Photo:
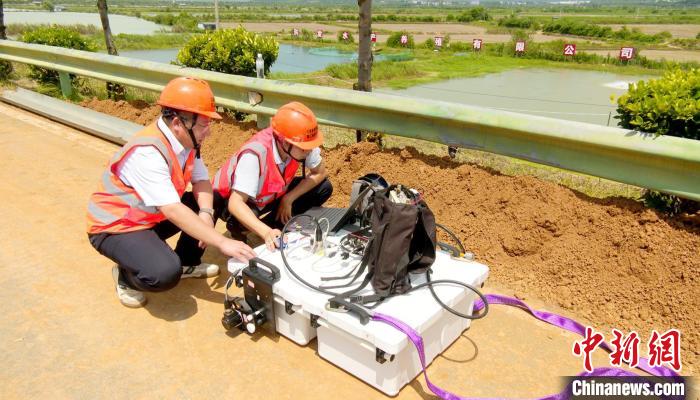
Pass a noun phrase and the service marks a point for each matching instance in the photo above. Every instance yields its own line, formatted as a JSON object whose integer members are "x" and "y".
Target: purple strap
{"x": 550, "y": 318}
{"x": 568, "y": 324}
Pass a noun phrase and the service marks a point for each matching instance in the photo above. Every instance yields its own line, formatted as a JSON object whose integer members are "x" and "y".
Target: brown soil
{"x": 610, "y": 262}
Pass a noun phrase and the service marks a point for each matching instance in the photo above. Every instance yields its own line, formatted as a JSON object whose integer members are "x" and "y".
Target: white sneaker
{"x": 202, "y": 270}
{"x": 127, "y": 296}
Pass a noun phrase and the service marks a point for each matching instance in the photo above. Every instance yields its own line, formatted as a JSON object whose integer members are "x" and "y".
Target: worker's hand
{"x": 272, "y": 239}
{"x": 209, "y": 221}
{"x": 284, "y": 211}
{"x": 236, "y": 249}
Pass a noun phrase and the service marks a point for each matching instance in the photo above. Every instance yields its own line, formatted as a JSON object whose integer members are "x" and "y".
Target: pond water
{"x": 291, "y": 59}
{"x": 565, "y": 94}
{"x": 118, "y": 23}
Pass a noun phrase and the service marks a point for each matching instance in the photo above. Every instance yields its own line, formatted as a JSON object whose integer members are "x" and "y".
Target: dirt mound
{"x": 226, "y": 136}
{"x": 611, "y": 262}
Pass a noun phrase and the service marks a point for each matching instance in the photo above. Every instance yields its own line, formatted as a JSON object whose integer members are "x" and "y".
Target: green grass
{"x": 144, "y": 42}
{"x": 430, "y": 67}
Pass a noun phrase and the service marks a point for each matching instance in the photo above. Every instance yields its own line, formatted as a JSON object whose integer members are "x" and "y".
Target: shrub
{"x": 182, "y": 22}
{"x": 305, "y": 35}
{"x": 231, "y": 51}
{"x": 522, "y": 23}
{"x": 430, "y": 43}
{"x": 5, "y": 70}
{"x": 350, "y": 39}
{"x": 394, "y": 40}
{"x": 474, "y": 14}
{"x": 571, "y": 27}
{"x": 59, "y": 37}
{"x": 666, "y": 106}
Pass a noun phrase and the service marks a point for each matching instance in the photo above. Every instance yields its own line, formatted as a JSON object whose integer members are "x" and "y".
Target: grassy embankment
{"x": 122, "y": 41}
{"x": 429, "y": 66}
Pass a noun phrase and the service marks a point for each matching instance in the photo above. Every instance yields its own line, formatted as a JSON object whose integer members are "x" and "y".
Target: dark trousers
{"x": 313, "y": 198}
{"x": 145, "y": 261}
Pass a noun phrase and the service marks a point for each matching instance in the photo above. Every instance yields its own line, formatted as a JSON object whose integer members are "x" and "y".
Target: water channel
{"x": 558, "y": 93}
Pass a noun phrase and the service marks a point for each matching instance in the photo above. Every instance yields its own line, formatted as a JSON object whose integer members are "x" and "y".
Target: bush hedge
{"x": 59, "y": 37}
{"x": 666, "y": 106}
{"x": 394, "y": 40}
{"x": 231, "y": 51}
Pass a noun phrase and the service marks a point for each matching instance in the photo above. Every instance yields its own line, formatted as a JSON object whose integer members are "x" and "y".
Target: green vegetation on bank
{"x": 59, "y": 37}
{"x": 666, "y": 106}
{"x": 428, "y": 66}
{"x": 230, "y": 51}
{"x": 125, "y": 41}
{"x": 570, "y": 27}
{"x": 20, "y": 29}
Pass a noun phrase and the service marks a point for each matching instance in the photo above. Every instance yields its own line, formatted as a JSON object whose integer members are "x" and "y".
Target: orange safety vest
{"x": 116, "y": 207}
{"x": 272, "y": 183}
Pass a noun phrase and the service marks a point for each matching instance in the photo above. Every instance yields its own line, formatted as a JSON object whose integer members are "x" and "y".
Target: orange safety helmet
{"x": 189, "y": 94}
{"x": 296, "y": 124}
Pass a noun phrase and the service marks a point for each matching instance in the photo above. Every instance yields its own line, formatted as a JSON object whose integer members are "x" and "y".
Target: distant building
{"x": 207, "y": 26}
{"x": 474, "y": 2}
{"x": 58, "y": 8}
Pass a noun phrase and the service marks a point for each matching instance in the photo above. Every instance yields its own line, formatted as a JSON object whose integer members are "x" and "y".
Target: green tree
{"x": 47, "y": 5}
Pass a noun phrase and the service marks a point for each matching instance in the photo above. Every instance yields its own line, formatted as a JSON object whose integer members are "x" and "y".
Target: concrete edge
{"x": 104, "y": 126}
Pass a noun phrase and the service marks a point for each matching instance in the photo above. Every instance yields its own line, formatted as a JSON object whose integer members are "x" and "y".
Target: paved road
{"x": 64, "y": 335}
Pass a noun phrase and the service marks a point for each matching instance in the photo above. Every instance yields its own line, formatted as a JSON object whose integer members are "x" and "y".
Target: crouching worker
{"x": 259, "y": 180}
{"x": 142, "y": 200}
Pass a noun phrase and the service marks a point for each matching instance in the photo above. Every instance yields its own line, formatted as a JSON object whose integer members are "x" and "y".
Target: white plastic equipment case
{"x": 376, "y": 353}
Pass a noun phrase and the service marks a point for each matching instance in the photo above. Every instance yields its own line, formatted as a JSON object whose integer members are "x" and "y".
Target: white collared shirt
{"x": 146, "y": 171}
{"x": 247, "y": 174}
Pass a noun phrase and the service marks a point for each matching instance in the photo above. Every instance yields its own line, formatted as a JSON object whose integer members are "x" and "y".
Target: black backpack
{"x": 404, "y": 239}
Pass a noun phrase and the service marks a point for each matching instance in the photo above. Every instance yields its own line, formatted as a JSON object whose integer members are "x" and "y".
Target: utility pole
{"x": 216, "y": 14}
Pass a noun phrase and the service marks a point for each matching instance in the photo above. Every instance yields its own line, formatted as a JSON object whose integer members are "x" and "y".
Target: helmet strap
{"x": 190, "y": 130}
{"x": 287, "y": 150}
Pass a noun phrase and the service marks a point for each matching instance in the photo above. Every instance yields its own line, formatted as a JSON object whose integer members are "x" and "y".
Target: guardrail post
{"x": 66, "y": 86}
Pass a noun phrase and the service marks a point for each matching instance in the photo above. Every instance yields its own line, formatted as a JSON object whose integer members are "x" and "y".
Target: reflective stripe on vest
{"x": 223, "y": 181}
{"x": 116, "y": 207}
{"x": 272, "y": 183}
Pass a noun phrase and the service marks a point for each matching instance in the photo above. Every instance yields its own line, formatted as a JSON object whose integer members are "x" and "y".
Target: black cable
{"x": 429, "y": 283}
{"x": 432, "y": 291}
{"x": 453, "y": 236}
{"x": 286, "y": 263}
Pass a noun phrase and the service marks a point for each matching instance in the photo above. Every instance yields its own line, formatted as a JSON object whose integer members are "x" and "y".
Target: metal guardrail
{"x": 664, "y": 163}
